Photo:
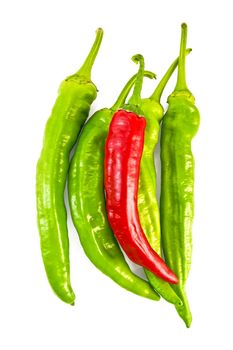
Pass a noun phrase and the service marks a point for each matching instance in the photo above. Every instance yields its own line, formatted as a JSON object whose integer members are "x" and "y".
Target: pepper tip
{"x": 99, "y": 30}
{"x": 174, "y": 279}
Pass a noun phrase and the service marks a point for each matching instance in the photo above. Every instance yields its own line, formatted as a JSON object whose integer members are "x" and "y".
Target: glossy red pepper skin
{"x": 123, "y": 151}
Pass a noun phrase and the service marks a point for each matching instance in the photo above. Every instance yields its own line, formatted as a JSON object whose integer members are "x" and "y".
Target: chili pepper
{"x": 180, "y": 124}
{"x": 87, "y": 201}
{"x": 147, "y": 202}
{"x": 71, "y": 108}
{"x": 123, "y": 150}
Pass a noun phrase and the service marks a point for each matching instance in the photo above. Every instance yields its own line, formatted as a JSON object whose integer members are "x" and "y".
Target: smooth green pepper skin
{"x": 69, "y": 113}
{"x": 87, "y": 202}
{"x": 180, "y": 125}
{"x": 147, "y": 202}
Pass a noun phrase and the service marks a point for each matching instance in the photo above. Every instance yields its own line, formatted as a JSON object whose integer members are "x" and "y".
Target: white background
{"x": 41, "y": 43}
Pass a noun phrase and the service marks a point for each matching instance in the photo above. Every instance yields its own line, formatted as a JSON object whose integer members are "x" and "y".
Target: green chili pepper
{"x": 69, "y": 113}
{"x": 179, "y": 126}
{"x": 147, "y": 202}
{"x": 87, "y": 201}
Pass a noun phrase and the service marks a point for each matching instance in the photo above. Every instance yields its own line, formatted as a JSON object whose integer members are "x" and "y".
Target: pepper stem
{"x": 181, "y": 79}
{"x": 156, "y": 96}
{"x": 135, "y": 99}
{"x": 126, "y": 89}
{"x": 85, "y": 70}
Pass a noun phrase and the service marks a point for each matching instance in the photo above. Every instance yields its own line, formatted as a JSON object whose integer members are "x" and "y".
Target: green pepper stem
{"x": 85, "y": 70}
{"x": 181, "y": 78}
{"x": 156, "y": 96}
{"x": 135, "y": 99}
{"x": 126, "y": 89}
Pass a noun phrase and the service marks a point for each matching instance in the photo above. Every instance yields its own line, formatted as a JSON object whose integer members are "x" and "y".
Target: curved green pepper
{"x": 180, "y": 125}
{"x": 69, "y": 113}
{"x": 87, "y": 201}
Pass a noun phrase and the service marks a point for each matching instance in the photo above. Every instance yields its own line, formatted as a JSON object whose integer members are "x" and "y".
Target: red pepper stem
{"x": 156, "y": 96}
{"x": 135, "y": 99}
{"x": 181, "y": 79}
{"x": 85, "y": 70}
{"x": 126, "y": 89}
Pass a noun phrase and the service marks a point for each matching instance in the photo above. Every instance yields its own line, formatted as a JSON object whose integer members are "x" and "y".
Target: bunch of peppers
{"x": 112, "y": 183}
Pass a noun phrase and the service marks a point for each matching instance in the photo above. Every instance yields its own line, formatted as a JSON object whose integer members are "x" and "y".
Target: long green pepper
{"x": 180, "y": 124}
{"x": 87, "y": 201}
{"x": 147, "y": 202}
{"x": 76, "y": 94}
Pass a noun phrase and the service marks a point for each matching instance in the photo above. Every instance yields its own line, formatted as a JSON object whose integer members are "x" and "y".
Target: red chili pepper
{"x": 123, "y": 151}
